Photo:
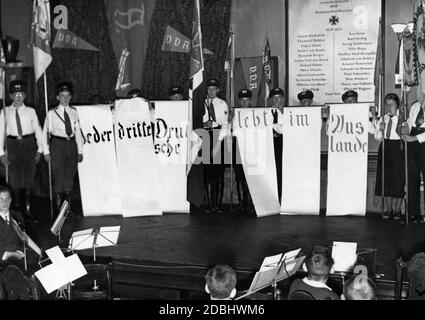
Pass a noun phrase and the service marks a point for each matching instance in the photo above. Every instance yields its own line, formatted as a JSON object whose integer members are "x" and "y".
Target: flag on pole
{"x": 66, "y": 39}
{"x": 196, "y": 110}
{"x": 379, "y": 69}
{"x": 228, "y": 64}
{"x": 41, "y": 37}
{"x": 267, "y": 69}
{"x": 419, "y": 45}
{"x": 2, "y": 73}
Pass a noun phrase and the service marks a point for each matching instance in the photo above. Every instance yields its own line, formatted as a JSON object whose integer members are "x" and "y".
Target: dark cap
{"x": 212, "y": 83}
{"x": 306, "y": 94}
{"x": 175, "y": 90}
{"x": 134, "y": 93}
{"x": 349, "y": 94}
{"x": 17, "y": 86}
{"x": 65, "y": 86}
{"x": 275, "y": 92}
{"x": 244, "y": 93}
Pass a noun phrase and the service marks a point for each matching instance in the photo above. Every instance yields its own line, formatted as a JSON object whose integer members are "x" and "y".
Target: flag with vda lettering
{"x": 41, "y": 37}
{"x": 66, "y": 39}
{"x": 267, "y": 70}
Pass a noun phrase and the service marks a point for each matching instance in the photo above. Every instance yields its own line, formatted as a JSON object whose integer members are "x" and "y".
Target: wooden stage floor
{"x": 241, "y": 240}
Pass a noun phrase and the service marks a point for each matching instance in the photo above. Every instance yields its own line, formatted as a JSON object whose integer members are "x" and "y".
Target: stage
{"x": 174, "y": 251}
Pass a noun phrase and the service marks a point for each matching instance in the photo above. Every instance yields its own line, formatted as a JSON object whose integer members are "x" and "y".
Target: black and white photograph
{"x": 188, "y": 151}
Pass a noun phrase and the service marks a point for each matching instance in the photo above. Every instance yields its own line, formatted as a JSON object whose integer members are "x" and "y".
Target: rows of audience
{"x": 221, "y": 281}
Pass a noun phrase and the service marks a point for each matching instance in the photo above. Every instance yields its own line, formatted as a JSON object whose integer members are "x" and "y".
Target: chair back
{"x": 300, "y": 295}
{"x": 18, "y": 286}
{"x": 95, "y": 285}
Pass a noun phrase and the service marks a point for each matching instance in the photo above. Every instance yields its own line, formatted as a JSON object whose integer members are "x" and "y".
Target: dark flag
{"x": 195, "y": 181}
{"x": 267, "y": 70}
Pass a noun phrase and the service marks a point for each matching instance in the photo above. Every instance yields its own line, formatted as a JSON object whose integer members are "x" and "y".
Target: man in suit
{"x": 20, "y": 145}
{"x": 11, "y": 245}
{"x": 63, "y": 143}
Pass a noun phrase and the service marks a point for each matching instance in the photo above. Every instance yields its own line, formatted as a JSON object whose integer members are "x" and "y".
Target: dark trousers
{"x": 21, "y": 155}
{"x": 214, "y": 171}
{"x": 64, "y": 155}
{"x": 416, "y": 167}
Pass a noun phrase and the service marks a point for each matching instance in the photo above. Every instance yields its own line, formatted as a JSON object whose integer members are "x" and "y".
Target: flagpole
{"x": 46, "y": 105}
{"x": 232, "y": 109}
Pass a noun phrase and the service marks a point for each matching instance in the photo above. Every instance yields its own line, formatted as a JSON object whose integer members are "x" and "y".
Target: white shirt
{"x": 411, "y": 121}
{"x": 393, "y": 133}
{"x": 5, "y": 216}
{"x": 221, "y": 111}
{"x": 56, "y": 127}
{"x": 29, "y": 124}
{"x": 316, "y": 284}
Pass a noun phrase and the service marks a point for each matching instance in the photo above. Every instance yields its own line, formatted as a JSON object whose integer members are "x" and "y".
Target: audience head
{"x": 5, "y": 198}
{"x": 221, "y": 282}
{"x": 319, "y": 264}
{"x": 392, "y": 103}
{"x": 359, "y": 287}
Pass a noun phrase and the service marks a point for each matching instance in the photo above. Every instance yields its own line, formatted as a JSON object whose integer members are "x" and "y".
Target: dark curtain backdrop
{"x": 165, "y": 69}
{"x": 91, "y": 72}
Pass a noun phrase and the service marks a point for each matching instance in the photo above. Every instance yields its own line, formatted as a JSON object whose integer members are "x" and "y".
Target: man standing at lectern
{"x": 216, "y": 121}
{"x": 63, "y": 143}
{"x": 21, "y": 135}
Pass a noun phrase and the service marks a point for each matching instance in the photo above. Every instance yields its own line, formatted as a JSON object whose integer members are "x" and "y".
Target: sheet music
{"x": 108, "y": 236}
{"x": 61, "y": 271}
{"x": 344, "y": 255}
{"x": 81, "y": 240}
{"x": 270, "y": 262}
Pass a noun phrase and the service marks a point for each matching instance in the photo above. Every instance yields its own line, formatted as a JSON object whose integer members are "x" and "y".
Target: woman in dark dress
{"x": 394, "y": 170}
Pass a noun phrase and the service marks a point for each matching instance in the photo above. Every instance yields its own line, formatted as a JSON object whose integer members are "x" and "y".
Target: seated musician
{"x": 10, "y": 244}
{"x": 221, "y": 283}
{"x": 319, "y": 264}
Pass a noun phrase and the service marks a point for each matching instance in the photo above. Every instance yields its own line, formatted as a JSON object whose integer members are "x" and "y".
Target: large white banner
{"x": 301, "y": 161}
{"x": 138, "y": 168}
{"x": 347, "y": 159}
{"x": 98, "y": 173}
{"x": 254, "y": 132}
{"x": 171, "y": 120}
{"x": 332, "y": 48}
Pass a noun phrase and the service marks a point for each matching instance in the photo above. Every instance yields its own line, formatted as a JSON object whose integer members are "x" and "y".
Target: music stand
{"x": 60, "y": 273}
{"x": 273, "y": 270}
{"x": 26, "y": 240}
{"x": 94, "y": 238}
{"x": 60, "y": 220}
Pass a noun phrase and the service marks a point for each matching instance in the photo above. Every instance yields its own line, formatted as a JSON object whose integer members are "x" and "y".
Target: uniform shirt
{"x": 56, "y": 127}
{"x": 393, "y": 133}
{"x": 221, "y": 111}
{"x": 29, "y": 124}
{"x": 411, "y": 121}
